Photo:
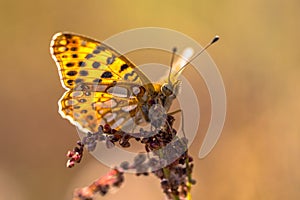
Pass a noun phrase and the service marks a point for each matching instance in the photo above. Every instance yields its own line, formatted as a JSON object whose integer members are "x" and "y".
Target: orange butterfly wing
{"x": 102, "y": 85}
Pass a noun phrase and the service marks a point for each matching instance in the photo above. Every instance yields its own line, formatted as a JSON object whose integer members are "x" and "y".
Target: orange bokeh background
{"x": 258, "y": 154}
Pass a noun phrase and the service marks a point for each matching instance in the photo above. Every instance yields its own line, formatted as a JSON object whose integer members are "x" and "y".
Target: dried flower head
{"x": 170, "y": 161}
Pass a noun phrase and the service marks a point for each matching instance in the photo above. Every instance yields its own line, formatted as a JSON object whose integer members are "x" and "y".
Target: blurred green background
{"x": 258, "y": 154}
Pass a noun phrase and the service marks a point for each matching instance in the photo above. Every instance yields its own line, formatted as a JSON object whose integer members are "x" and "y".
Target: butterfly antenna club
{"x": 214, "y": 40}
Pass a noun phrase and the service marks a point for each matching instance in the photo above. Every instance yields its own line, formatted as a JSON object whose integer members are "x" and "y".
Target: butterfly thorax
{"x": 154, "y": 106}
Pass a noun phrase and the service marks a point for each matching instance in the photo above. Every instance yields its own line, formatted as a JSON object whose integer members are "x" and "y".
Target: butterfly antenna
{"x": 215, "y": 39}
{"x": 171, "y": 65}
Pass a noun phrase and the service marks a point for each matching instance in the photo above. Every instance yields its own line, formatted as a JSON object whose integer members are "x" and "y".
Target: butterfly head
{"x": 171, "y": 85}
{"x": 170, "y": 89}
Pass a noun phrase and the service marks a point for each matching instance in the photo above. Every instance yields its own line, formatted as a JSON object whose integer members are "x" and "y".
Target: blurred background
{"x": 258, "y": 154}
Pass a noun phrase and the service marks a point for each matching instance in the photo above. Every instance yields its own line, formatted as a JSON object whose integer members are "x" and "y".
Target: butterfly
{"x": 104, "y": 87}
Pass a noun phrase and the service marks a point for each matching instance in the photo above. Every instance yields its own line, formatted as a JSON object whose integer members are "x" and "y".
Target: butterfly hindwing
{"x": 89, "y": 109}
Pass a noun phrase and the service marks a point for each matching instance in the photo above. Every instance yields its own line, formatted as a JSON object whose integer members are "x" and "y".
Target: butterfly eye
{"x": 167, "y": 90}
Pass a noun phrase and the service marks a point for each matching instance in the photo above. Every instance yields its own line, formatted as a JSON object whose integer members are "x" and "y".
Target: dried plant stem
{"x": 190, "y": 180}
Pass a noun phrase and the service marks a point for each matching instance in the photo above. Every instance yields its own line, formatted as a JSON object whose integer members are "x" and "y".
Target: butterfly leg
{"x": 182, "y": 117}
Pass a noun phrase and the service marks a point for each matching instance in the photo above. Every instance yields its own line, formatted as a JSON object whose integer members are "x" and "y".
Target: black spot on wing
{"x": 78, "y": 80}
{"x": 70, "y": 82}
{"x": 83, "y": 111}
{"x": 100, "y": 48}
{"x": 71, "y": 73}
{"x": 96, "y": 64}
{"x": 97, "y": 80}
{"x": 70, "y": 64}
{"x": 73, "y": 48}
{"x": 81, "y": 64}
{"x": 106, "y": 74}
{"x": 76, "y": 107}
{"x": 82, "y": 100}
{"x": 89, "y": 56}
{"x": 131, "y": 75}
{"x": 83, "y": 73}
{"x": 96, "y": 51}
{"x": 110, "y": 60}
{"x": 123, "y": 67}
{"x": 68, "y": 36}
{"x": 90, "y": 117}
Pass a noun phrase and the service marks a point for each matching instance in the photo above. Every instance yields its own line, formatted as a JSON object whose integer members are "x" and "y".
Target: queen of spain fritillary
{"x": 104, "y": 87}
